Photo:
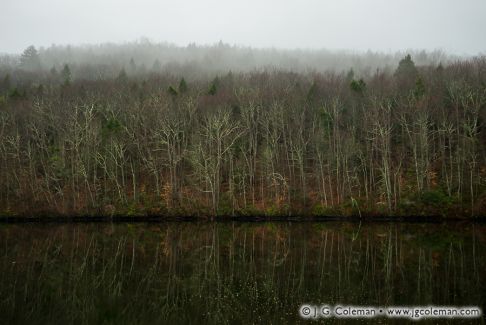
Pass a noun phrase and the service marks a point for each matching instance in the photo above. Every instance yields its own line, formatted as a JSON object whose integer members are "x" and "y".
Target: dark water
{"x": 235, "y": 273}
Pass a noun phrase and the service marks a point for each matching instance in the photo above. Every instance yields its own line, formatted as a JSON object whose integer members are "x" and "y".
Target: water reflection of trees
{"x": 229, "y": 272}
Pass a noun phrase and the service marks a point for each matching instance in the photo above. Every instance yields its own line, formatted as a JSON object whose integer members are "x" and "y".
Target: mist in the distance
{"x": 456, "y": 27}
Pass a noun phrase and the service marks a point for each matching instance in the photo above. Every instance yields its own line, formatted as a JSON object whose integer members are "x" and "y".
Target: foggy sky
{"x": 456, "y": 26}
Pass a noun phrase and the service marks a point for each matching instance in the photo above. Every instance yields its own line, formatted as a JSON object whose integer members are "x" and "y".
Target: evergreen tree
{"x": 358, "y": 86}
{"x": 16, "y": 94}
{"x": 122, "y": 76}
{"x": 406, "y": 68}
{"x": 419, "y": 90}
{"x": 171, "y": 90}
{"x": 133, "y": 66}
{"x": 156, "y": 66}
{"x": 350, "y": 75}
{"x": 29, "y": 60}
{"x": 213, "y": 89}
{"x": 66, "y": 75}
{"x": 182, "y": 86}
{"x": 40, "y": 90}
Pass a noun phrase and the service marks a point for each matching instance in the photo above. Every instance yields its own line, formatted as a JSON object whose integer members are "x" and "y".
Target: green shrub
{"x": 324, "y": 210}
{"x": 430, "y": 202}
{"x": 273, "y": 210}
{"x": 250, "y": 210}
{"x": 435, "y": 198}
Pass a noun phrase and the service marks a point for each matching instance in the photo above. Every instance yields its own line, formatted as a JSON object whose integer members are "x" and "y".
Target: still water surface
{"x": 235, "y": 273}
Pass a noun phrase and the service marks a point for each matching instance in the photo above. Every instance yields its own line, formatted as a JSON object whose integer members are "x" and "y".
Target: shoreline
{"x": 256, "y": 219}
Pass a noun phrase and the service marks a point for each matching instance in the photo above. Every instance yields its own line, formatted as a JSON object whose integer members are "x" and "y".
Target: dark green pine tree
{"x": 66, "y": 75}
{"x": 213, "y": 89}
{"x": 182, "y": 86}
{"x": 358, "y": 86}
{"x": 406, "y": 68}
{"x": 419, "y": 90}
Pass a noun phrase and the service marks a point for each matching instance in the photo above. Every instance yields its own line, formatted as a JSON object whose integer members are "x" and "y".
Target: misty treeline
{"x": 406, "y": 141}
{"x": 193, "y": 61}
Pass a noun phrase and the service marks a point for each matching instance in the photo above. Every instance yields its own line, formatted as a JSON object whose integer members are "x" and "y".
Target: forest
{"x": 141, "y": 129}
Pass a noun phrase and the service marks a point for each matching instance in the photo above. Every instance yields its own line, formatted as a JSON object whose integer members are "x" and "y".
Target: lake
{"x": 231, "y": 272}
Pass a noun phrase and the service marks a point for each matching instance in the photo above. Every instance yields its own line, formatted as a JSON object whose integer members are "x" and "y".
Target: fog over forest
{"x": 193, "y": 61}
{"x": 99, "y": 39}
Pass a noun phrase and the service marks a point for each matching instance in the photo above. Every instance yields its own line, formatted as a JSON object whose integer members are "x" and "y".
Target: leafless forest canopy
{"x": 143, "y": 128}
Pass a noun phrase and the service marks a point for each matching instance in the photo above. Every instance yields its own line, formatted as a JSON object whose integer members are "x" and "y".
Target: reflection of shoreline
{"x": 215, "y": 268}
{"x": 53, "y": 218}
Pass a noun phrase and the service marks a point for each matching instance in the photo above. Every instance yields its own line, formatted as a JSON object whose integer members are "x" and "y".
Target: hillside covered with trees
{"x": 189, "y": 138}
